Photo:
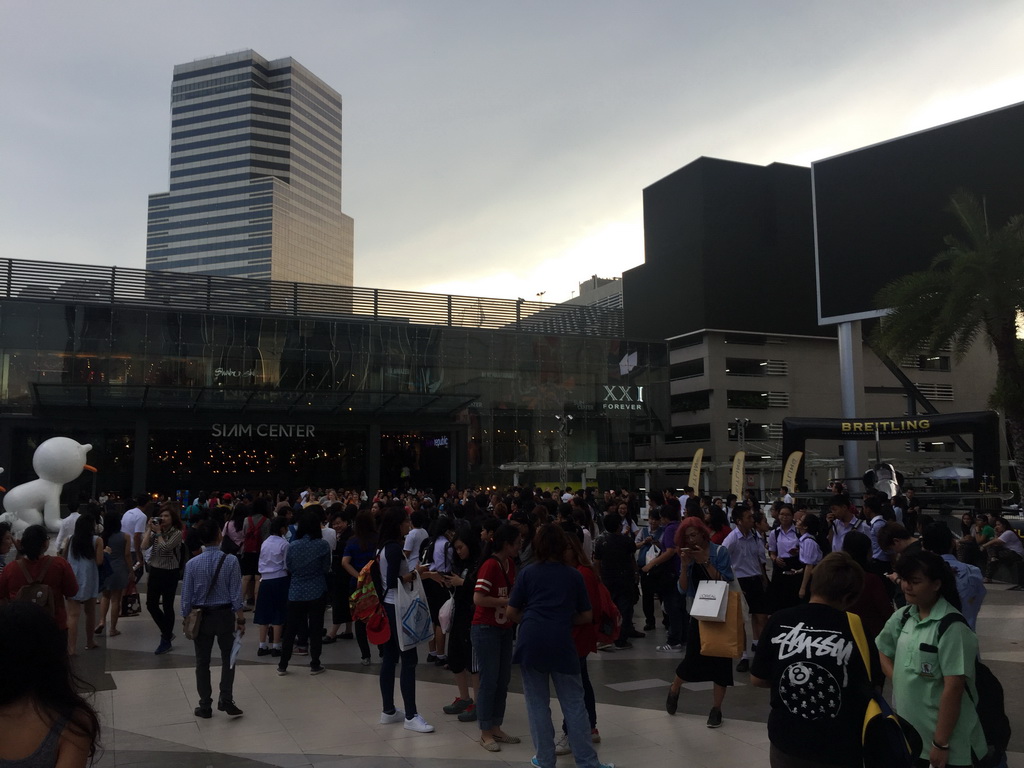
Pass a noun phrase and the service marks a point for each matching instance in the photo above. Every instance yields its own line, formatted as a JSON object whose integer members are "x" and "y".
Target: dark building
{"x": 724, "y": 241}
{"x": 250, "y": 384}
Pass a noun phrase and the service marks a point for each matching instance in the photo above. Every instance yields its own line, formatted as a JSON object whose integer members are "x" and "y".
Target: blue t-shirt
{"x": 548, "y": 595}
{"x": 360, "y": 557}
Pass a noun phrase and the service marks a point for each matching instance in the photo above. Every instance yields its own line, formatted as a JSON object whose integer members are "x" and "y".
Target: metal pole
{"x": 848, "y": 399}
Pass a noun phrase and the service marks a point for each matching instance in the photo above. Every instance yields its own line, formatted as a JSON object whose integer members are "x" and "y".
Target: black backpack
{"x": 989, "y": 703}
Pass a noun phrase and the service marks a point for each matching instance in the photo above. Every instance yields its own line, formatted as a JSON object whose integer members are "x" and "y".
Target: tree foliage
{"x": 973, "y": 290}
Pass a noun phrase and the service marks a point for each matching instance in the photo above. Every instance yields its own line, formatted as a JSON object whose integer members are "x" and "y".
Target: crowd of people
{"x": 517, "y": 578}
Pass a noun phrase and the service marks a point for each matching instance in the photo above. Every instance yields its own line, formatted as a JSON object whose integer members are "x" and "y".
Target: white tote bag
{"x": 412, "y": 614}
{"x": 710, "y": 603}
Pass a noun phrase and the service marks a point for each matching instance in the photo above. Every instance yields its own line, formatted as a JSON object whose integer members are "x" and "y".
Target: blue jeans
{"x": 492, "y": 648}
{"x": 569, "y": 690}
{"x": 389, "y": 662}
{"x": 588, "y": 696}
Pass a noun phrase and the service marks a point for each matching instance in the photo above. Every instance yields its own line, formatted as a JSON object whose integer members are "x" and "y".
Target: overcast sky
{"x": 492, "y": 149}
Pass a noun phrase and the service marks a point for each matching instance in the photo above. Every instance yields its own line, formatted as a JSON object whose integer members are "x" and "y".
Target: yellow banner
{"x": 737, "y": 473}
{"x": 694, "y": 483}
{"x": 789, "y": 473}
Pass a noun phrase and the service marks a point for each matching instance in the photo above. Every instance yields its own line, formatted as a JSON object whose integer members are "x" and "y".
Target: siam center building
{"x": 255, "y": 175}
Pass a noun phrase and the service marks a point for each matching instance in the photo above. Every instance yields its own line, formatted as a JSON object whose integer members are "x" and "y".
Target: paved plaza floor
{"x": 331, "y": 720}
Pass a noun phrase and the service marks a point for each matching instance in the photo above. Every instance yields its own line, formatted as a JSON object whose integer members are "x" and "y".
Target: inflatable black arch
{"x": 983, "y": 425}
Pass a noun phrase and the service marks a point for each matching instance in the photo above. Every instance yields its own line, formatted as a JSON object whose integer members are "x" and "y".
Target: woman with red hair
{"x": 702, "y": 560}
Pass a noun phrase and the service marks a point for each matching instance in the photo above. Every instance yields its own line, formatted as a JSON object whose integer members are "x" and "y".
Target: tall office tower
{"x": 255, "y": 187}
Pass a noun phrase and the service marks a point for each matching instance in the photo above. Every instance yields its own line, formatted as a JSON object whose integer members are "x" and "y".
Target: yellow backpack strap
{"x": 857, "y": 628}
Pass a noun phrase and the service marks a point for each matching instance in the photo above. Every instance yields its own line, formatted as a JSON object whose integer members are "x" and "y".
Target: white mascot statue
{"x": 57, "y": 461}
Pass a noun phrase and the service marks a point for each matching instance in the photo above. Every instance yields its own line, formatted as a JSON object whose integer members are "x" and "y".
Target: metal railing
{"x": 121, "y": 286}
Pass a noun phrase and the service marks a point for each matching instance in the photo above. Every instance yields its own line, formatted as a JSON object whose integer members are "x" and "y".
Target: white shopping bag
{"x": 412, "y": 614}
{"x": 710, "y": 603}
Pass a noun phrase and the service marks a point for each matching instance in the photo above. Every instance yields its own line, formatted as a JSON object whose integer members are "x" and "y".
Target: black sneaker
{"x": 262, "y": 651}
{"x": 204, "y": 712}
{"x": 316, "y": 669}
{"x": 743, "y": 666}
{"x": 275, "y": 652}
{"x": 715, "y": 718}
{"x": 229, "y": 708}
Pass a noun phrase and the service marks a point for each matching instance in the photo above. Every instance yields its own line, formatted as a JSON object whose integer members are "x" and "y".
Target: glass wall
{"x": 510, "y": 385}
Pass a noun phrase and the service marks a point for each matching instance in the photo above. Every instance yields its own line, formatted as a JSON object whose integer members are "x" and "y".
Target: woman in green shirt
{"x": 931, "y": 663}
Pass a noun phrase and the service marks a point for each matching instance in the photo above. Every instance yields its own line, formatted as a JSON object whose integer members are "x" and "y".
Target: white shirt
{"x": 746, "y": 553}
{"x": 788, "y": 498}
{"x": 133, "y": 521}
{"x": 330, "y": 536}
{"x": 1012, "y": 542}
{"x": 840, "y": 529}
{"x": 67, "y": 528}
{"x": 413, "y": 541}
{"x": 272, "y": 558}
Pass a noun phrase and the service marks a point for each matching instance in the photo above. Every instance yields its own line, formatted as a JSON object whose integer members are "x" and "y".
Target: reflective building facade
{"x": 255, "y": 175}
{"x": 238, "y": 389}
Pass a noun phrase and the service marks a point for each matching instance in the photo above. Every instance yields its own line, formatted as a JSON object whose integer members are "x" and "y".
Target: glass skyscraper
{"x": 255, "y": 178}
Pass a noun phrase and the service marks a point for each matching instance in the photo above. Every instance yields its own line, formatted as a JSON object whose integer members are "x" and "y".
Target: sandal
{"x": 92, "y": 647}
{"x": 99, "y": 629}
{"x": 504, "y": 738}
{"x": 491, "y": 746}
{"x": 113, "y": 633}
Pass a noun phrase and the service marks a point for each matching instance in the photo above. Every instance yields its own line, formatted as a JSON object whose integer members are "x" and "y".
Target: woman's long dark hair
{"x": 81, "y": 540}
{"x": 238, "y": 516}
{"x": 365, "y": 529}
{"x": 391, "y": 524}
{"x": 111, "y": 525}
{"x": 505, "y": 534}
{"x": 34, "y": 665}
{"x": 933, "y": 568}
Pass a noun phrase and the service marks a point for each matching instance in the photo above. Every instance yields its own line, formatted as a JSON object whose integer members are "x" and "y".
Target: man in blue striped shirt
{"x": 213, "y": 582}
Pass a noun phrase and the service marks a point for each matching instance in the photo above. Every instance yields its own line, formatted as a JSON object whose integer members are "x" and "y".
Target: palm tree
{"x": 974, "y": 288}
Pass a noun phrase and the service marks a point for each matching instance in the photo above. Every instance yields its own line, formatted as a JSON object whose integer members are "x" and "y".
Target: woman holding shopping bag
{"x": 394, "y": 569}
{"x": 701, "y": 560}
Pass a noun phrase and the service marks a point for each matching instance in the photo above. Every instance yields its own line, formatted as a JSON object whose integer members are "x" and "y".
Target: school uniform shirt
{"x": 810, "y": 551}
{"x": 493, "y": 581}
{"x": 876, "y": 524}
{"x": 272, "y": 558}
{"x": 782, "y": 542}
{"x": 840, "y": 529}
{"x": 746, "y": 553}
{"x": 819, "y": 684}
{"x": 920, "y": 662}
{"x": 970, "y": 584}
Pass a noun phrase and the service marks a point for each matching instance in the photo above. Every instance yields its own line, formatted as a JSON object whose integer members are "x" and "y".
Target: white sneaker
{"x": 667, "y": 648}
{"x": 562, "y": 745}
{"x": 397, "y": 717}
{"x": 418, "y": 724}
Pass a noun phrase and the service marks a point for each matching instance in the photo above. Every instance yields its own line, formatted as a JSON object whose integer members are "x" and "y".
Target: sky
{"x": 489, "y": 149}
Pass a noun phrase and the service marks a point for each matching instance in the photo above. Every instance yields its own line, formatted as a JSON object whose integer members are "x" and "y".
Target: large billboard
{"x": 881, "y": 212}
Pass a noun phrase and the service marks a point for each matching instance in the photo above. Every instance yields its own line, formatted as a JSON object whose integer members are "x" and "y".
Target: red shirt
{"x": 59, "y": 577}
{"x": 584, "y": 636}
{"x": 493, "y": 581}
